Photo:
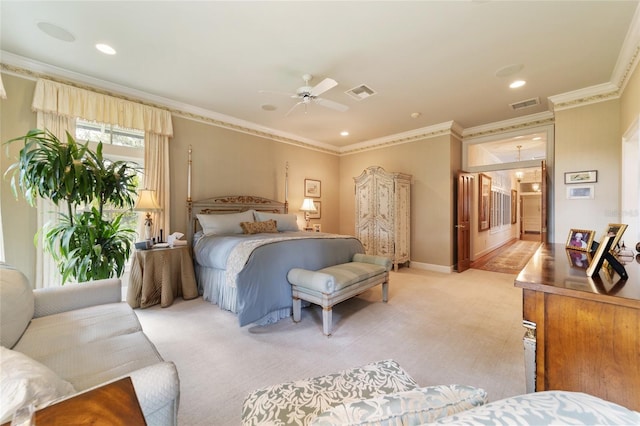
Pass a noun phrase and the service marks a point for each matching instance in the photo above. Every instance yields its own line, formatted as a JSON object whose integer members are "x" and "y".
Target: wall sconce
{"x": 147, "y": 203}
{"x": 307, "y": 207}
{"x": 519, "y": 176}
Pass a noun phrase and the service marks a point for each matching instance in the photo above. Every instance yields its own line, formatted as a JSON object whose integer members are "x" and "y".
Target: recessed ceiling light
{"x": 56, "y": 32}
{"x": 537, "y": 138}
{"x": 106, "y": 49}
{"x": 517, "y": 83}
{"x": 344, "y": 133}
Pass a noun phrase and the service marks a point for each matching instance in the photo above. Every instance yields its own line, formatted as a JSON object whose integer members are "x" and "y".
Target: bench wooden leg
{"x": 297, "y": 306}
{"x": 326, "y": 320}
{"x": 385, "y": 291}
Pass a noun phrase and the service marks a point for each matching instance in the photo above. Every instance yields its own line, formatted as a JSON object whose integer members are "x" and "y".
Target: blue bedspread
{"x": 261, "y": 286}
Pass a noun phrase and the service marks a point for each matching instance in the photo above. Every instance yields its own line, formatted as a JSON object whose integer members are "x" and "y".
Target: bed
{"x": 245, "y": 273}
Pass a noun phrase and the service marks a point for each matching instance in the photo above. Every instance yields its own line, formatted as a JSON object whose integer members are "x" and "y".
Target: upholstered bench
{"x": 328, "y": 286}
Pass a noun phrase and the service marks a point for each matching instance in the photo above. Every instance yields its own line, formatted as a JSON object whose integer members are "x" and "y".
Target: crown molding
{"x": 513, "y": 124}
{"x": 629, "y": 55}
{"x": 581, "y": 97}
{"x": 447, "y": 128}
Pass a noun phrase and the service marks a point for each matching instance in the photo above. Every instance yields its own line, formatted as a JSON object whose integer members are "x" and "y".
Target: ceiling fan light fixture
{"x": 106, "y": 49}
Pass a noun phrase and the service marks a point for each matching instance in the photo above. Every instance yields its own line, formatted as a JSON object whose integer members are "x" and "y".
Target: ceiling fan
{"x": 307, "y": 94}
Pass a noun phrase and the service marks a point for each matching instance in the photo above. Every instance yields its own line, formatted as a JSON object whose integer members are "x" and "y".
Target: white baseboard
{"x": 431, "y": 267}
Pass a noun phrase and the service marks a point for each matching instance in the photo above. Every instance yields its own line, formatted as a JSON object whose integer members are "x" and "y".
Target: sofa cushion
{"x": 300, "y": 401}
{"x": 16, "y": 305}
{"x": 100, "y": 361}
{"x": 59, "y": 332}
{"x": 547, "y": 408}
{"x": 407, "y": 408}
{"x": 24, "y": 380}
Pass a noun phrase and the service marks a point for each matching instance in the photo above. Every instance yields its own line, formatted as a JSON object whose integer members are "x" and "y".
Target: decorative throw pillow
{"x": 286, "y": 222}
{"x": 423, "y": 405}
{"x": 259, "y": 227}
{"x": 224, "y": 223}
{"x": 24, "y": 380}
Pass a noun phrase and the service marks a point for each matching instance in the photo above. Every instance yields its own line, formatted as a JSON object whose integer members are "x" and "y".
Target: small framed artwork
{"x": 484, "y": 202}
{"x": 311, "y": 188}
{"x": 616, "y": 229}
{"x": 514, "y": 206}
{"x": 580, "y": 239}
{"x": 598, "y": 257}
{"x": 316, "y": 214}
{"x": 582, "y": 192}
{"x": 578, "y": 258}
{"x": 317, "y": 227}
{"x": 587, "y": 176}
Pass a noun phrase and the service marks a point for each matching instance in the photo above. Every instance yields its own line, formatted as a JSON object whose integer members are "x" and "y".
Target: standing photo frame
{"x": 484, "y": 202}
{"x": 580, "y": 239}
{"x": 617, "y": 229}
{"x": 312, "y": 188}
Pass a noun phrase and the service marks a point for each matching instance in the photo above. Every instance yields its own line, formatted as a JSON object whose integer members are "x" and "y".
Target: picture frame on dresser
{"x": 312, "y": 188}
{"x": 580, "y": 239}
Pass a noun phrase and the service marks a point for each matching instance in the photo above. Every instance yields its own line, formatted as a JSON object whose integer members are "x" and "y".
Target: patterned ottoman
{"x": 379, "y": 393}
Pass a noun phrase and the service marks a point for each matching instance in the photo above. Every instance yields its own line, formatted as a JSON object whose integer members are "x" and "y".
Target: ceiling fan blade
{"x": 331, "y": 104}
{"x": 323, "y": 86}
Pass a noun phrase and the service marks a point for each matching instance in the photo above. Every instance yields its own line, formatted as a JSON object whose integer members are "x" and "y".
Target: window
{"x": 118, "y": 144}
{"x": 500, "y": 209}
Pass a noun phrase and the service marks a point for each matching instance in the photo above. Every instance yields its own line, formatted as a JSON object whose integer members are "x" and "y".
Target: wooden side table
{"x": 159, "y": 275}
{"x": 114, "y": 404}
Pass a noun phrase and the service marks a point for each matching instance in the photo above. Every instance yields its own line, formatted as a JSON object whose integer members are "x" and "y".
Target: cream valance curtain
{"x": 73, "y": 102}
{"x": 58, "y": 105}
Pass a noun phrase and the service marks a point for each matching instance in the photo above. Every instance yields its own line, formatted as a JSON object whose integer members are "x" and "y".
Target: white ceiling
{"x": 436, "y": 58}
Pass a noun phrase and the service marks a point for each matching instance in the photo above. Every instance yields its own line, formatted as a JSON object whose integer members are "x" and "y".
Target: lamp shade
{"x": 146, "y": 201}
{"x": 308, "y": 206}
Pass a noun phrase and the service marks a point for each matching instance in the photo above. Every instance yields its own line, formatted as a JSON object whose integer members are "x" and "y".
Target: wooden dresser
{"x": 587, "y": 330}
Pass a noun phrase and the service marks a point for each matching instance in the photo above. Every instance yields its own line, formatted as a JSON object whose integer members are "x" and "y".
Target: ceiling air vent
{"x": 360, "y": 92}
{"x": 525, "y": 104}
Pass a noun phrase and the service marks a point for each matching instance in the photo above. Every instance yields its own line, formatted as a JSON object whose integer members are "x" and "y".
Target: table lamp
{"x": 307, "y": 207}
{"x": 147, "y": 203}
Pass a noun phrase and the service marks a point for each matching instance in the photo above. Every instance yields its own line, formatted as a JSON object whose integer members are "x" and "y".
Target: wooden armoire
{"x": 383, "y": 208}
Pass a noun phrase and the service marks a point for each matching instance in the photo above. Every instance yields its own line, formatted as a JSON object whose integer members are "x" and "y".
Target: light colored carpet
{"x": 442, "y": 328}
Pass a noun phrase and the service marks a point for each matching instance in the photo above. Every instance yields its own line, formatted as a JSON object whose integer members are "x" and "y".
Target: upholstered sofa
{"x": 59, "y": 342}
{"x": 383, "y": 394}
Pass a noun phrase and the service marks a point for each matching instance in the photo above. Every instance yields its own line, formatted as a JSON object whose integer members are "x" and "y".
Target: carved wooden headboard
{"x": 228, "y": 204}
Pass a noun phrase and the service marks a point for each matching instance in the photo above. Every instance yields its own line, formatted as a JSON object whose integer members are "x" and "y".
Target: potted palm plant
{"x": 84, "y": 243}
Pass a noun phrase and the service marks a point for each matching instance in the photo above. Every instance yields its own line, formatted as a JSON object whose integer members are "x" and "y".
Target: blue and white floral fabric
{"x": 413, "y": 407}
{"x": 547, "y": 408}
{"x": 299, "y": 402}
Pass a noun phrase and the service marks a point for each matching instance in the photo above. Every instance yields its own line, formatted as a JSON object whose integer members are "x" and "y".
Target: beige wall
{"x": 18, "y": 218}
{"x": 432, "y": 163}
{"x": 226, "y": 162}
{"x": 588, "y": 138}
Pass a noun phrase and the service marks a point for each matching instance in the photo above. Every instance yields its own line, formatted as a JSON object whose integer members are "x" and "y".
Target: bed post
{"x": 286, "y": 188}
{"x": 189, "y": 203}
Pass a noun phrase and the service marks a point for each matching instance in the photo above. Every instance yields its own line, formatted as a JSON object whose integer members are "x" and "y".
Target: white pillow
{"x": 285, "y": 222}
{"x": 224, "y": 223}
{"x": 24, "y": 380}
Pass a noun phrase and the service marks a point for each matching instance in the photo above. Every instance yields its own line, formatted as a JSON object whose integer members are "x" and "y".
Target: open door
{"x": 543, "y": 202}
{"x": 463, "y": 221}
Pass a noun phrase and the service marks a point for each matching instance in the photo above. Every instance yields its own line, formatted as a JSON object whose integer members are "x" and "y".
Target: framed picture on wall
{"x": 514, "y": 206}
{"x": 312, "y": 188}
{"x": 484, "y": 202}
{"x": 582, "y": 192}
{"x": 315, "y": 215}
{"x": 587, "y": 176}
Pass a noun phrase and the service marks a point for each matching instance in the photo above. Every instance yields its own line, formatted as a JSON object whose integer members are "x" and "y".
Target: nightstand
{"x": 158, "y": 275}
